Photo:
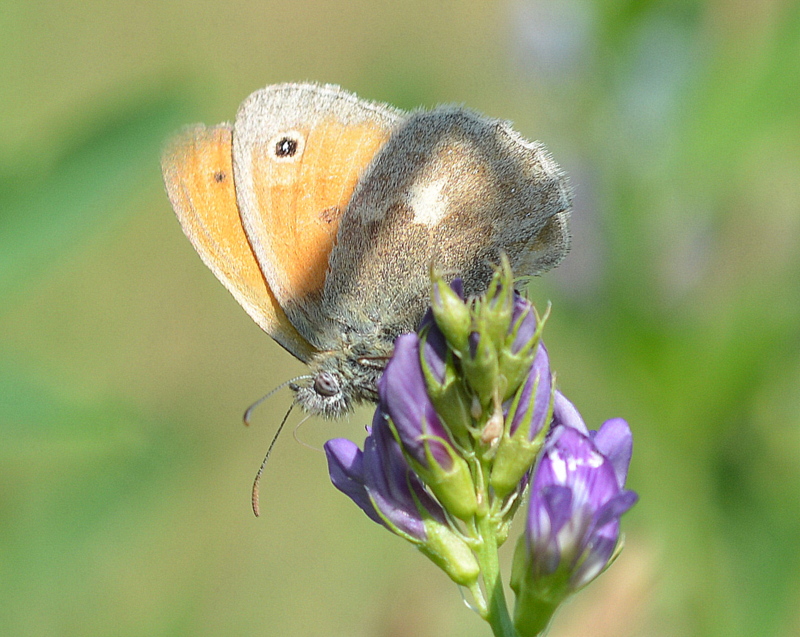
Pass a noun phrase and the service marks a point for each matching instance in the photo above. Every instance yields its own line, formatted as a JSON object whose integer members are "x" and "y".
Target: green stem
{"x": 496, "y": 612}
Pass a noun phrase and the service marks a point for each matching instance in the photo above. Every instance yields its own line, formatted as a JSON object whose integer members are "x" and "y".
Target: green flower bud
{"x": 481, "y": 368}
{"x": 450, "y": 553}
{"x": 452, "y": 486}
{"x": 527, "y": 420}
{"x": 495, "y": 310}
{"x": 452, "y": 315}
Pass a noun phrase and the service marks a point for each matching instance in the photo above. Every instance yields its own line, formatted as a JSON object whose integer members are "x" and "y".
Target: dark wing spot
{"x": 329, "y": 215}
{"x": 219, "y": 176}
{"x": 286, "y": 147}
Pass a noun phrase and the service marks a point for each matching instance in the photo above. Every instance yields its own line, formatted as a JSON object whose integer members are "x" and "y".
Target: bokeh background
{"x": 125, "y": 366}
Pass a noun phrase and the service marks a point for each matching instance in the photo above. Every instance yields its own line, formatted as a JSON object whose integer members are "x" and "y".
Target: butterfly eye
{"x": 325, "y": 384}
{"x": 286, "y": 146}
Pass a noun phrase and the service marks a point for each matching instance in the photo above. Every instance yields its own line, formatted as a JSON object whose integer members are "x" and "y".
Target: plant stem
{"x": 497, "y": 612}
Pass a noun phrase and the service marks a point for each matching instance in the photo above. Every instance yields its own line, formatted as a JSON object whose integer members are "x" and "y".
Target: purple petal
{"x": 577, "y": 463}
{"x": 615, "y": 508}
{"x": 435, "y": 352}
{"x": 594, "y": 562}
{"x": 427, "y": 319}
{"x": 540, "y": 379}
{"x": 380, "y": 481}
{"x": 474, "y": 340}
{"x": 522, "y": 309}
{"x": 403, "y": 478}
{"x": 385, "y": 481}
{"x": 404, "y": 397}
{"x": 564, "y": 413}
{"x": 557, "y": 501}
{"x": 346, "y": 469}
{"x": 576, "y": 497}
{"x": 615, "y": 441}
{"x": 457, "y": 285}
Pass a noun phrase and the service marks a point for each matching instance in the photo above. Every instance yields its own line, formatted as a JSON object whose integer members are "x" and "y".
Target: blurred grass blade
{"x": 44, "y": 216}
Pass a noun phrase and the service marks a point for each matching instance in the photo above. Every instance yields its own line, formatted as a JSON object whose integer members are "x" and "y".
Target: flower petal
{"x": 564, "y": 413}
{"x": 615, "y": 441}
{"x": 527, "y": 326}
{"x": 346, "y": 469}
{"x": 540, "y": 379}
{"x": 404, "y": 398}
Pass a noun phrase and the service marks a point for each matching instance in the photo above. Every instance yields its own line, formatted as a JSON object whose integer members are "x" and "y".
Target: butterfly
{"x": 323, "y": 213}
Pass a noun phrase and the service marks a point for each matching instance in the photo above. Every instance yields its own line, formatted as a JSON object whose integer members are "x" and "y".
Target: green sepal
{"x": 450, "y": 553}
{"x": 452, "y": 315}
{"x": 482, "y": 370}
{"x": 536, "y": 601}
{"x": 496, "y": 309}
{"x": 453, "y": 487}
{"x": 515, "y": 366}
{"x": 516, "y": 453}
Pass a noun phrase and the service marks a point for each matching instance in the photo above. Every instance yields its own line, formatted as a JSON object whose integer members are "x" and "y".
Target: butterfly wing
{"x": 299, "y": 151}
{"x": 450, "y": 189}
{"x": 198, "y": 172}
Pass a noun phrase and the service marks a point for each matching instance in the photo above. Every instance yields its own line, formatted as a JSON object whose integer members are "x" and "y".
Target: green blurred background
{"x": 125, "y": 366}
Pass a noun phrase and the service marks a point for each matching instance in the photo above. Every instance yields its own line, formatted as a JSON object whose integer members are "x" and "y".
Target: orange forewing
{"x": 301, "y": 203}
{"x": 198, "y": 172}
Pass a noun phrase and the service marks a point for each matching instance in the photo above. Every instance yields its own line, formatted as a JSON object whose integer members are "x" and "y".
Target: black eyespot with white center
{"x": 286, "y": 146}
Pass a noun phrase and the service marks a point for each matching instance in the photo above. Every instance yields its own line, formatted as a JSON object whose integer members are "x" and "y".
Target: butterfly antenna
{"x": 249, "y": 411}
{"x": 256, "y": 482}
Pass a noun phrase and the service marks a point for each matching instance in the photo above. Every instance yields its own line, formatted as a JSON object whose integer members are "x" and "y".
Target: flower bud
{"x": 494, "y": 311}
{"x": 528, "y": 416}
{"x": 481, "y": 367}
{"x": 443, "y": 382}
{"x": 380, "y": 481}
{"x": 517, "y": 355}
{"x": 451, "y": 313}
{"x": 424, "y": 439}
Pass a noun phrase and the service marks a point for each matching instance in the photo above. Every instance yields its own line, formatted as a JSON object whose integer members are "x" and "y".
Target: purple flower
{"x": 423, "y": 436}
{"x": 404, "y": 398}
{"x": 535, "y": 396}
{"x": 380, "y": 481}
{"x": 524, "y": 320}
{"x": 577, "y": 498}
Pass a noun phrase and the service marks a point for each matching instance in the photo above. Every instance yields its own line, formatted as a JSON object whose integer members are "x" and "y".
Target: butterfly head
{"x": 341, "y": 379}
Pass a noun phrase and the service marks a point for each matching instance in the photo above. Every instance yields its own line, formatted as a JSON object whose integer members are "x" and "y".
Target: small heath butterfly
{"x": 323, "y": 213}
